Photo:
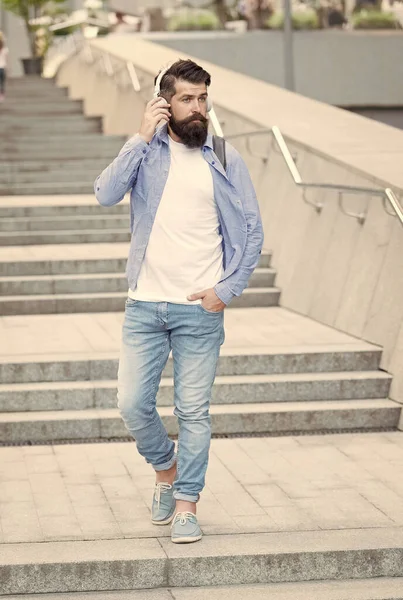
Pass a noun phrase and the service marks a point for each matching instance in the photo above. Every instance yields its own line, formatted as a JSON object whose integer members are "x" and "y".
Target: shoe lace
{"x": 183, "y": 517}
{"x": 161, "y": 488}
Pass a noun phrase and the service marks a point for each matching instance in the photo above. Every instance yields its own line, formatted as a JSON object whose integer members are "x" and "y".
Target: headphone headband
{"x": 157, "y": 88}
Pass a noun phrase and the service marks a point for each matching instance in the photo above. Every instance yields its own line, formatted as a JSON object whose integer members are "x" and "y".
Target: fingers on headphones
{"x": 158, "y": 102}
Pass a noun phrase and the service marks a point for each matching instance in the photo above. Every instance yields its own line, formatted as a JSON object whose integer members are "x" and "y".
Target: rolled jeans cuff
{"x": 166, "y": 465}
{"x": 186, "y": 497}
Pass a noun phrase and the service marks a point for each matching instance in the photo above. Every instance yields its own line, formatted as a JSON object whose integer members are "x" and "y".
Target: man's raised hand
{"x": 156, "y": 110}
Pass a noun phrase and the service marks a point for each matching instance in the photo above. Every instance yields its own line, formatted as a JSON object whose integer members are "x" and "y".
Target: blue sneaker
{"x": 185, "y": 528}
{"x": 163, "y": 507}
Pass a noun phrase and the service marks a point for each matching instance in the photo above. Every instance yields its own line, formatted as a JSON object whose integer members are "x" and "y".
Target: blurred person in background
{"x": 3, "y": 66}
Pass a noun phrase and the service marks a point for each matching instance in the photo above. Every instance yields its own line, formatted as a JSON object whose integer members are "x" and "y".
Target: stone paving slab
{"x": 79, "y": 334}
{"x": 258, "y": 485}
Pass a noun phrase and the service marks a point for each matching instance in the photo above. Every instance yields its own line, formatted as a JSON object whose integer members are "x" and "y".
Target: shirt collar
{"x": 162, "y": 133}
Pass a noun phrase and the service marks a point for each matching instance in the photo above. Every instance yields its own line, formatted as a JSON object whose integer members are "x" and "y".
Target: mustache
{"x": 195, "y": 117}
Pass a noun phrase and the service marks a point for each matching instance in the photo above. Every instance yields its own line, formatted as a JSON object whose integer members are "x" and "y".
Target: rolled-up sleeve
{"x": 120, "y": 176}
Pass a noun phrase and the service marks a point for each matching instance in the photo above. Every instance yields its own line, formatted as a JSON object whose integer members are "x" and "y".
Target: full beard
{"x": 192, "y": 131}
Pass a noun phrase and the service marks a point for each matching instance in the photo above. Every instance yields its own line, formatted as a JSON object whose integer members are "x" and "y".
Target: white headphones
{"x": 157, "y": 88}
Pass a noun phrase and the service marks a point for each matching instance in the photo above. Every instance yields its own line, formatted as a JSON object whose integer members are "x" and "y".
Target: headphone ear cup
{"x": 209, "y": 104}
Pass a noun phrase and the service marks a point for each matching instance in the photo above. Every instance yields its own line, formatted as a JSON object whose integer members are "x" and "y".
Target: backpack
{"x": 219, "y": 149}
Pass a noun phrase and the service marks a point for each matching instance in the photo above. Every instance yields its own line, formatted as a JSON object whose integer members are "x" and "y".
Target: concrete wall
{"x": 338, "y": 67}
{"x": 17, "y": 41}
{"x": 389, "y": 116}
{"x": 329, "y": 266}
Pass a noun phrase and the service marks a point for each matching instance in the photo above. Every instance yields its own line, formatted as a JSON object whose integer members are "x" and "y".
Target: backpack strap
{"x": 219, "y": 150}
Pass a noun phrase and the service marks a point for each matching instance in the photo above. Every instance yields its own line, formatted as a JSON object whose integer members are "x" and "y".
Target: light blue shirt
{"x": 144, "y": 169}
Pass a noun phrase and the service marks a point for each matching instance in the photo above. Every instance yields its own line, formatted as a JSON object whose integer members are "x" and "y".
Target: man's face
{"x": 189, "y": 113}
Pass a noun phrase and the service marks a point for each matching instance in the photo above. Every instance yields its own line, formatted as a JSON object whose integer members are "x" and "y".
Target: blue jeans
{"x": 150, "y": 331}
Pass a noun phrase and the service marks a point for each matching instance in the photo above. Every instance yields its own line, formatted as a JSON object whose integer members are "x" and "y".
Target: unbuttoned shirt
{"x": 143, "y": 168}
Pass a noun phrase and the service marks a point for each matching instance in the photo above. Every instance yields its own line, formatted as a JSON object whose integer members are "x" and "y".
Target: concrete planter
{"x": 32, "y": 66}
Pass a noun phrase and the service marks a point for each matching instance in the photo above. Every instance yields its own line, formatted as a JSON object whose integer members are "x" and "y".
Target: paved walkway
{"x": 247, "y": 330}
{"x": 301, "y": 483}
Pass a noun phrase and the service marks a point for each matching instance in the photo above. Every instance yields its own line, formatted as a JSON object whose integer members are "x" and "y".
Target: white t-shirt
{"x": 3, "y": 57}
{"x": 184, "y": 254}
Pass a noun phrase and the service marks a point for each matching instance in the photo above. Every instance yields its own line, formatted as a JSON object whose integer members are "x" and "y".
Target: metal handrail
{"x": 386, "y": 194}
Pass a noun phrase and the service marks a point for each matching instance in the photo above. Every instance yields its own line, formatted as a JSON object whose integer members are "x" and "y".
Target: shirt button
{"x": 97, "y": 189}
{"x": 213, "y": 162}
{"x": 144, "y": 151}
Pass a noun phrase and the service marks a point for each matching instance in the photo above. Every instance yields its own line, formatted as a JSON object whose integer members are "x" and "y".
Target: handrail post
{"x": 292, "y": 167}
{"x": 395, "y": 203}
{"x": 216, "y": 123}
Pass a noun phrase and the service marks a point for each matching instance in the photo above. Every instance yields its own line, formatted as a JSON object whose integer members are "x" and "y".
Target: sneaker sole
{"x": 166, "y": 522}
{"x": 186, "y": 540}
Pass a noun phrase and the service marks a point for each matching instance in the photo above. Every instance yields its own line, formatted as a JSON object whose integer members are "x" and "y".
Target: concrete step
{"x": 33, "y": 91}
{"x": 111, "y": 302}
{"x": 74, "y": 223}
{"x": 88, "y": 258}
{"x": 22, "y": 145}
{"x": 292, "y": 360}
{"x": 66, "y": 207}
{"x": 51, "y": 166}
{"x": 93, "y": 283}
{"x": 220, "y": 560}
{"x": 381, "y": 588}
{"x": 48, "y": 153}
{"x": 226, "y": 419}
{"x": 27, "y": 142}
{"x": 81, "y": 125}
{"x": 31, "y": 81}
{"x": 89, "y": 236}
{"x": 33, "y": 95}
{"x": 227, "y": 390}
{"x": 62, "y": 106}
{"x": 42, "y": 121}
{"x": 45, "y": 189}
{"x": 55, "y": 177}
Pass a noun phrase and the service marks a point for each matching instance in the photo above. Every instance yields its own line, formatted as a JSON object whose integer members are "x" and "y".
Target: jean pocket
{"x": 131, "y": 302}
{"x": 210, "y": 312}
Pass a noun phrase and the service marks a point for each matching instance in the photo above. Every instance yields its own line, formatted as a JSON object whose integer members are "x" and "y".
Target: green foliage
{"x": 374, "y": 19}
{"x": 26, "y": 8}
{"x": 39, "y": 40}
{"x": 66, "y": 30}
{"x": 192, "y": 20}
{"x": 302, "y": 19}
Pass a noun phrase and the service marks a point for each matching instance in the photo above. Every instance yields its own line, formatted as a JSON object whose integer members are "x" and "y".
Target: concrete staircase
{"x": 272, "y": 392}
{"x": 92, "y": 283}
{"x": 47, "y": 146}
{"x": 257, "y": 390}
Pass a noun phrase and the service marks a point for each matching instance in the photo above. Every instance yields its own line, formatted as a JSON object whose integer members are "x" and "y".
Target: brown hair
{"x": 186, "y": 70}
